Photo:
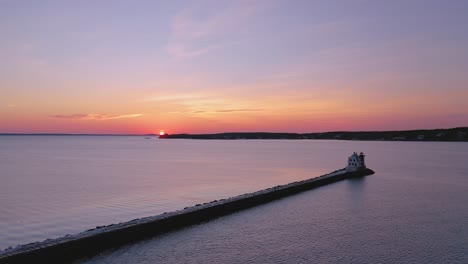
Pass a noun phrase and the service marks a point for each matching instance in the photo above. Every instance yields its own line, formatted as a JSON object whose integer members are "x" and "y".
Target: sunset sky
{"x": 219, "y": 66}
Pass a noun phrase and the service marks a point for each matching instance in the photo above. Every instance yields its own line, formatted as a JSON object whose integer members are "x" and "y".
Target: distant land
{"x": 71, "y": 134}
{"x": 450, "y": 134}
{"x": 459, "y": 134}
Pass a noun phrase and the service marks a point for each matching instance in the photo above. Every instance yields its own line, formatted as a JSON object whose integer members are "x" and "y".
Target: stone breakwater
{"x": 90, "y": 242}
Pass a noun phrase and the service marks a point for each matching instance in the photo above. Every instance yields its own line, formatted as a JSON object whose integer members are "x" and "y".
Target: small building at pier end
{"x": 356, "y": 162}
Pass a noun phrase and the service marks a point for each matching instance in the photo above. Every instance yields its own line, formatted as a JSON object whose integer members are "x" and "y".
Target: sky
{"x": 231, "y": 66}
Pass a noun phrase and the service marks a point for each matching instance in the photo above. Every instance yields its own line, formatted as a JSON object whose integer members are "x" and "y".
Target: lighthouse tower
{"x": 356, "y": 162}
{"x": 362, "y": 156}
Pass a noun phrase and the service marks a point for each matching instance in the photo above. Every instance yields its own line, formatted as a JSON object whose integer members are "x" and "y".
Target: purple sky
{"x": 213, "y": 66}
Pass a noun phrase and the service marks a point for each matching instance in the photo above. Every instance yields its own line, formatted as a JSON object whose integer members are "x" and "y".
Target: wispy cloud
{"x": 173, "y": 97}
{"x": 94, "y": 116}
{"x": 239, "y": 110}
{"x": 284, "y": 75}
{"x": 74, "y": 116}
{"x": 197, "y": 29}
{"x": 123, "y": 116}
{"x": 183, "y": 51}
{"x": 198, "y": 103}
{"x": 11, "y": 105}
{"x": 187, "y": 101}
{"x": 219, "y": 111}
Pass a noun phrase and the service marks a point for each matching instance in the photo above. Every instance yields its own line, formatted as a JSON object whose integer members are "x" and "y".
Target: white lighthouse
{"x": 356, "y": 162}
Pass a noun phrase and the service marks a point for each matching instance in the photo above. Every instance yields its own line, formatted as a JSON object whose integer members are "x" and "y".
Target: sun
{"x": 161, "y": 133}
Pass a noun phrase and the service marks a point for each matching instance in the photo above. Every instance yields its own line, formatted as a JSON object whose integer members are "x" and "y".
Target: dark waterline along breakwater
{"x": 93, "y": 241}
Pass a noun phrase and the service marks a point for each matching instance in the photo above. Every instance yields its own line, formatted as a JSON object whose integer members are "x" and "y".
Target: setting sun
{"x": 161, "y": 133}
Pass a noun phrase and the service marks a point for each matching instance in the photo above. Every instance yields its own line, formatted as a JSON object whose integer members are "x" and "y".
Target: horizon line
{"x": 156, "y": 134}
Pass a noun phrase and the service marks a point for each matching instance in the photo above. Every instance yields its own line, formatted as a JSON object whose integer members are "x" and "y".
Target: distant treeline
{"x": 451, "y": 134}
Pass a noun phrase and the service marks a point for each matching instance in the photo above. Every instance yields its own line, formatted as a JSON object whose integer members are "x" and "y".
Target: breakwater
{"x": 93, "y": 241}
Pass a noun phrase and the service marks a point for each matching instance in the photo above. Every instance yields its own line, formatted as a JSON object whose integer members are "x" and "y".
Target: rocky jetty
{"x": 101, "y": 238}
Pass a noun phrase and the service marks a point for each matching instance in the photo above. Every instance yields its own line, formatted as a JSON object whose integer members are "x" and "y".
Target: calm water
{"x": 54, "y": 185}
{"x": 413, "y": 210}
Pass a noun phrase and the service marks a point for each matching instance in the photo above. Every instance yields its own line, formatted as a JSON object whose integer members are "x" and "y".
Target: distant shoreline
{"x": 459, "y": 134}
{"x": 59, "y": 134}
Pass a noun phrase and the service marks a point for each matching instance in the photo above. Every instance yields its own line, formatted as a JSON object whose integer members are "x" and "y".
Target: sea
{"x": 414, "y": 209}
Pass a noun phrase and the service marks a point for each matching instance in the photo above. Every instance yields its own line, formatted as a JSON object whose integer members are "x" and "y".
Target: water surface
{"x": 413, "y": 210}
{"x": 55, "y": 185}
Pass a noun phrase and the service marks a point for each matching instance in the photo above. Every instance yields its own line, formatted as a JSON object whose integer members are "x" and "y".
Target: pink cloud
{"x": 94, "y": 116}
{"x": 239, "y": 110}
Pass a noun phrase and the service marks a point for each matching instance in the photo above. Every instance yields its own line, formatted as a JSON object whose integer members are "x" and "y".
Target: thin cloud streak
{"x": 189, "y": 32}
{"x": 180, "y": 51}
{"x": 173, "y": 97}
{"x": 218, "y": 111}
{"x": 239, "y": 110}
{"x": 94, "y": 116}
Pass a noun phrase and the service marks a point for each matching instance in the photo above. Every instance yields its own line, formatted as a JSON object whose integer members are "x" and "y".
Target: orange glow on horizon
{"x": 197, "y": 75}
